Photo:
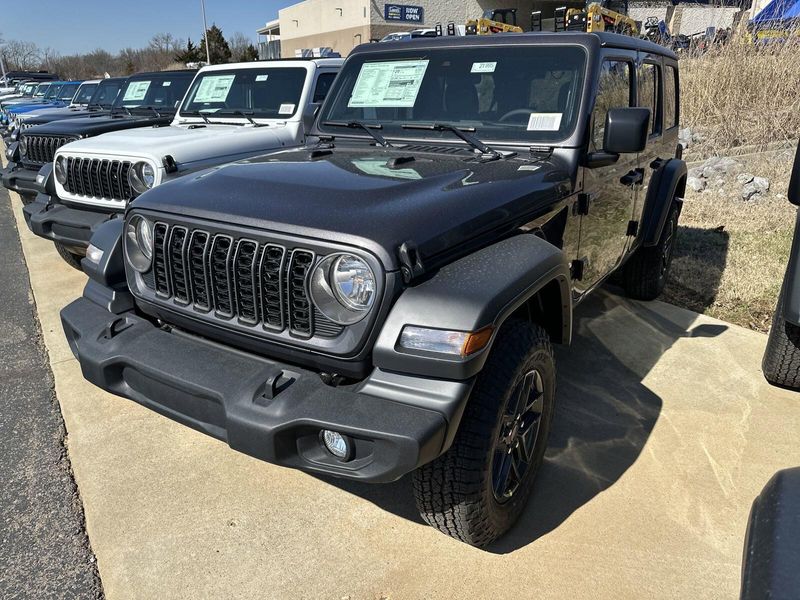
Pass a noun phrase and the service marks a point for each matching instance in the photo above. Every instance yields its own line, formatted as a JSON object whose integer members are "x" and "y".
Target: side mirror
{"x": 794, "y": 182}
{"x": 310, "y": 114}
{"x": 626, "y": 130}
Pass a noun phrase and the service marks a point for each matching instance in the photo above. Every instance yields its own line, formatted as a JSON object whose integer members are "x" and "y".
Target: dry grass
{"x": 737, "y": 95}
{"x": 731, "y": 253}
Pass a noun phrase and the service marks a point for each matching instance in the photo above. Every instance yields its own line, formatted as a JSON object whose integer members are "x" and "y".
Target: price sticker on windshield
{"x": 544, "y": 121}
{"x": 483, "y": 67}
{"x": 214, "y": 88}
{"x": 392, "y": 84}
{"x": 136, "y": 91}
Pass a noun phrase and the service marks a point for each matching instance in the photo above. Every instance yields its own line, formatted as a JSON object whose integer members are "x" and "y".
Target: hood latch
{"x": 410, "y": 262}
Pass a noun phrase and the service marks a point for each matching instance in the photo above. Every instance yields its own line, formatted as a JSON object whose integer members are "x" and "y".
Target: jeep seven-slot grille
{"x": 98, "y": 178}
{"x": 257, "y": 284}
{"x": 41, "y": 149}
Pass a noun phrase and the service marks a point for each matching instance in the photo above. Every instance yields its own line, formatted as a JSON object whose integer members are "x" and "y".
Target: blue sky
{"x": 71, "y": 26}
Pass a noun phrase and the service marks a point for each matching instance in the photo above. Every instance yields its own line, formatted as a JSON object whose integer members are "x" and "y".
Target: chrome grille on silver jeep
{"x": 98, "y": 178}
{"x": 41, "y": 149}
{"x": 258, "y": 284}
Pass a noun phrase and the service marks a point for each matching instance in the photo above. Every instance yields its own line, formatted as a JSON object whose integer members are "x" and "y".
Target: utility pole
{"x": 205, "y": 31}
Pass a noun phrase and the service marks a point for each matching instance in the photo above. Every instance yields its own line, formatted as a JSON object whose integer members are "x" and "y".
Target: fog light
{"x": 336, "y": 444}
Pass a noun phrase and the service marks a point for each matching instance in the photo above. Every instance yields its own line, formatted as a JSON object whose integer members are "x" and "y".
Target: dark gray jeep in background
{"x": 384, "y": 301}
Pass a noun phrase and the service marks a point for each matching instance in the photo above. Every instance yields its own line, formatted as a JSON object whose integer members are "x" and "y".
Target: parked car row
{"x": 360, "y": 268}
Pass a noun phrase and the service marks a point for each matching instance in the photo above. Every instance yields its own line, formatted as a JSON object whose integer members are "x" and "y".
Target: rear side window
{"x": 324, "y": 82}
{"x": 649, "y": 93}
{"x": 614, "y": 90}
{"x": 670, "y": 97}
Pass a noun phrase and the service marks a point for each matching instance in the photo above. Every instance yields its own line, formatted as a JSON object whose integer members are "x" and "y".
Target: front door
{"x": 610, "y": 192}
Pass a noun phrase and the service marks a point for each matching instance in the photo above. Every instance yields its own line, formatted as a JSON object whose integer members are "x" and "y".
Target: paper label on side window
{"x": 214, "y": 88}
{"x": 483, "y": 67}
{"x": 136, "y": 91}
{"x": 286, "y": 109}
{"x": 263, "y": 77}
{"x": 392, "y": 84}
{"x": 544, "y": 121}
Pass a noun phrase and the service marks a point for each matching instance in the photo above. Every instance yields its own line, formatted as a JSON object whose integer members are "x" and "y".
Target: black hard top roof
{"x": 588, "y": 40}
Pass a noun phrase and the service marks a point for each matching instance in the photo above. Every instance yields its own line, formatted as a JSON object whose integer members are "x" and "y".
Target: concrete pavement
{"x": 665, "y": 432}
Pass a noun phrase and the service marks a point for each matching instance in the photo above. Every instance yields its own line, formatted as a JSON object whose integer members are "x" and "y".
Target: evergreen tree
{"x": 250, "y": 53}
{"x": 218, "y": 46}
{"x": 189, "y": 54}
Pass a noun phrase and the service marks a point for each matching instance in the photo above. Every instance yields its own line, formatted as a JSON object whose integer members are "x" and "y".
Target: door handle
{"x": 634, "y": 177}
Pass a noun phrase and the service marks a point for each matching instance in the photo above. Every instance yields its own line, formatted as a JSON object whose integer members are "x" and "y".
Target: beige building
{"x": 344, "y": 24}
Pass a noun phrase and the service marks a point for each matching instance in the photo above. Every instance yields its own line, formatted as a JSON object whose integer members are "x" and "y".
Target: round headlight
{"x": 23, "y": 145}
{"x": 142, "y": 177}
{"x": 61, "y": 170}
{"x": 139, "y": 243}
{"x": 343, "y": 288}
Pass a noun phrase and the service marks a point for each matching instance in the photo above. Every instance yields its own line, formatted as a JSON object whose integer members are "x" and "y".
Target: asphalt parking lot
{"x": 665, "y": 432}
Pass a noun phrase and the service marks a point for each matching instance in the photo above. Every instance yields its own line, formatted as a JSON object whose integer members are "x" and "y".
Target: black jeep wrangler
{"x": 384, "y": 302}
{"x": 145, "y": 100}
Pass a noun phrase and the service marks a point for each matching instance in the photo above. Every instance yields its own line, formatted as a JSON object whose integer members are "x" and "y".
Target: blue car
{"x": 59, "y": 94}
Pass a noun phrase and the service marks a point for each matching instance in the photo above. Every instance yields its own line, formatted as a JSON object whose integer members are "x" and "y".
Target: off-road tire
{"x": 645, "y": 274}
{"x": 454, "y": 493}
{"x": 72, "y": 259}
{"x": 781, "y": 363}
{"x": 27, "y": 198}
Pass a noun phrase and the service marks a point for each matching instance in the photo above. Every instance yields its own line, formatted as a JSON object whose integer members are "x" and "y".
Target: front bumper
{"x": 72, "y": 227}
{"x": 272, "y": 411}
{"x": 18, "y": 179}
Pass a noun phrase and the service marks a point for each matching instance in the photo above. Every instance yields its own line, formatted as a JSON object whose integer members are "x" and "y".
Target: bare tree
{"x": 242, "y": 48}
{"x": 24, "y": 56}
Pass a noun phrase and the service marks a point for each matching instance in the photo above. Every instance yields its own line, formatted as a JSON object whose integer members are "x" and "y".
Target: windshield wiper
{"x": 460, "y": 132}
{"x": 360, "y": 125}
{"x": 123, "y": 107}
{"x": 196, "y": 113}
{"x": 153, "y": 108}
{"x": 241, "y": 113}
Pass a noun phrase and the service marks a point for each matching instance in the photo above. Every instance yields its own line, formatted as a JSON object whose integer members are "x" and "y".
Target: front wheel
{"x": 72, "y": 259}
{"x": 477, "y": 490}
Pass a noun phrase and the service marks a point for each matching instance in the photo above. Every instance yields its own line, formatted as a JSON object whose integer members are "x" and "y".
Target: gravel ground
{"x": 44, "y": 549}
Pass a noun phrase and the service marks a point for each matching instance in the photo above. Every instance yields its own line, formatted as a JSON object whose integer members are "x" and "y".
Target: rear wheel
{"x": 645, "y": 274}
{"x": 72, "y": 259}
{"x": 477, "y": 490}
{"x": 781, "y": 364}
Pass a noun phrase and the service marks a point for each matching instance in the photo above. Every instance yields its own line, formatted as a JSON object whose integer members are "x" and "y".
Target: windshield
{"x": 162, "y": 91}
{"x": 53, "y": 91}
{"x": 106, "y": 93}
{"x": 41, "y": 90}
{"x": 268, "y": 93}
{"x": 85, "y": 93}
{"x": 521, "y": 93}
{"x": 67, "y": 91}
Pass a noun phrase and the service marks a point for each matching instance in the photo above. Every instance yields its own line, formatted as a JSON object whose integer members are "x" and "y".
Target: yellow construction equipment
{"x": 499, "y": 20}
{"x": 605, "y": 15}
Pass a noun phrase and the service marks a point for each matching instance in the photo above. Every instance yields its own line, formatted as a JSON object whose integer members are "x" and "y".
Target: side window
{"x": 670, "y": 97}
{"x": 649, "y": 93}
{"x": 613, "y": 91}
{"x": 324, "y": 82}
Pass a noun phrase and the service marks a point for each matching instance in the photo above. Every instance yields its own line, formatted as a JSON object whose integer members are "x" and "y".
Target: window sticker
{"x": 544, "y": 121}
{"x": 286, "y": 109}
{"x": 483, "y": 67}
{"x": 137, "y": 90}
{"x": 393, "y": 84}
{"x": 262, "y": 77}
{"x": 166, "y": 84}
{"x": 214, "y": 88}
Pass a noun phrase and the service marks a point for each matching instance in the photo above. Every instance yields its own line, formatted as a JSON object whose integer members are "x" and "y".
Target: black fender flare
{"x": 479, "y": 290}
{"x": 667, "y": 183}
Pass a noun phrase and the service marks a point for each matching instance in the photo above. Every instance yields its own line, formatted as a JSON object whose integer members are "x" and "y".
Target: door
{"x": 610, "y": 194}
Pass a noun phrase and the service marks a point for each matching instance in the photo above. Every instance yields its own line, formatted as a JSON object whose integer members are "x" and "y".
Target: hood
{"x": 88, "y": 126}
{"x": 186, "y": 144}
{"x": 442, "y": 203}
{"x": 57, "y": 114}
